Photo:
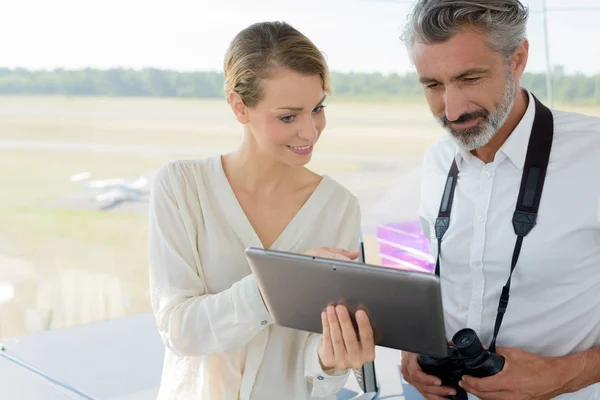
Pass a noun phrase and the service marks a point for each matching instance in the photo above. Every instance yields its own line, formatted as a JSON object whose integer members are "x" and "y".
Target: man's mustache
{"x": 466, "y": 117}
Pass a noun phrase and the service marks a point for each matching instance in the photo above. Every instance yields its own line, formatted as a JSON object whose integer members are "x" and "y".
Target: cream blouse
{"x": 221, "y": 343}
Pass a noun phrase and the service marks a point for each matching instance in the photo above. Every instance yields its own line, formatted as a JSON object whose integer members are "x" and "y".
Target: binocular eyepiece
{"x": 467, "y": 343}
{"x": 466, "y": 356}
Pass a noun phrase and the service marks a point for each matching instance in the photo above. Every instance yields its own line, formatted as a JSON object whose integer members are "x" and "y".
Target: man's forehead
{"x": 460, "y": 54}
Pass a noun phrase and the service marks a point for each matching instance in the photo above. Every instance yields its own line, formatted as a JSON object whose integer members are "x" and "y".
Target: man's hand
{"x": 525, "y": 376}
{"x": 427, "y": 385}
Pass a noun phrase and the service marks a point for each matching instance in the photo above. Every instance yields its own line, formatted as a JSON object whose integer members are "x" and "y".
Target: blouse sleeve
{"x": 190, "y": 321}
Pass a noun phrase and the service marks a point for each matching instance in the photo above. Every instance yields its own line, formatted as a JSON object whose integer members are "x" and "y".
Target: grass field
{"x": 72, "y": 266}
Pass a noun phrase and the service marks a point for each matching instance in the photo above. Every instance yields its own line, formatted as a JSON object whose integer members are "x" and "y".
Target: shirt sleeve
{"x": 324, "y": 382}
{"x": 190, "y": 321}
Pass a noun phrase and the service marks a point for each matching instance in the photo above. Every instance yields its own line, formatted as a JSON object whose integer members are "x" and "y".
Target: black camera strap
{"x": 530, "y": 194}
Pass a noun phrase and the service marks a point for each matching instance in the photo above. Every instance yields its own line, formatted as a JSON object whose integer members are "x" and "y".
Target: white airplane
{"x": 112, "y": 190}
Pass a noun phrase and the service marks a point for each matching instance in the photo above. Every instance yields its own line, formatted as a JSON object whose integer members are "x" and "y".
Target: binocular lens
{"x": 465, "y": 340}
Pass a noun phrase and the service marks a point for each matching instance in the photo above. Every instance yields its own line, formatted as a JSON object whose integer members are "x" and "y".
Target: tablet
{"x": 405, "y": 307}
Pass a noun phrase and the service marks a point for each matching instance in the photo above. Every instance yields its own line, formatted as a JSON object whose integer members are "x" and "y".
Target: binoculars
{"x": 466, "y": 356}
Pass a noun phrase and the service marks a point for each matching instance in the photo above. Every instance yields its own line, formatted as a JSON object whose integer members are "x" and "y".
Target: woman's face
{"x": 288, "y": 120}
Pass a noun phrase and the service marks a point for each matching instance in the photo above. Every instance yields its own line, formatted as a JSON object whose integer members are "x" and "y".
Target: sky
{"x": 186, "y": 35}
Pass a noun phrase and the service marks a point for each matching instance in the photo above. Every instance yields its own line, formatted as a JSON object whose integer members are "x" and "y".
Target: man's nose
{"x": 456, "y": 103}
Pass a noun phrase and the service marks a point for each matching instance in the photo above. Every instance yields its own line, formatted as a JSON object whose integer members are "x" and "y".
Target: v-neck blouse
{"x": 220, "y": 341}
{"x": 241, "y": 225}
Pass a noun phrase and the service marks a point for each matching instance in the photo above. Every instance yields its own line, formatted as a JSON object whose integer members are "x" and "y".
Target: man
{"x": 469, "y": 55}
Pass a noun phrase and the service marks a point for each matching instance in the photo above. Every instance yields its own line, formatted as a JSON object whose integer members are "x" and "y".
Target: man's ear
{"x": 519, "y": 59}
{"x": 238, "y": 107}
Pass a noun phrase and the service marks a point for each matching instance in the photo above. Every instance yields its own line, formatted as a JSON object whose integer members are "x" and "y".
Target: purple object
{"x": 403, "y": 245}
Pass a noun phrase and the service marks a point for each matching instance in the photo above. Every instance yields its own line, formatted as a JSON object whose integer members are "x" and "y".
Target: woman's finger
{"x": 351, "y": 254}
{"x": 334, "y": 250}
{"x": 326, "y": 351}
{"x": 339, "y": 349}
{"x": 349, "y": 336}
{"x": 365, "y": 332}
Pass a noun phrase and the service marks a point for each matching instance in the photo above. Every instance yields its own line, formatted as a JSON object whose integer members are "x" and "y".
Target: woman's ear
{"x": 238, "y": 107}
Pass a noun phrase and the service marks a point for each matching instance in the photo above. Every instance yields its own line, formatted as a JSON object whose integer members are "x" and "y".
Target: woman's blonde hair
{"x": 258, "y": 49}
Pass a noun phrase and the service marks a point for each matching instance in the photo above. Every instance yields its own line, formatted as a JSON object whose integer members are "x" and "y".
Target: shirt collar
{"x": 515, "y": 147}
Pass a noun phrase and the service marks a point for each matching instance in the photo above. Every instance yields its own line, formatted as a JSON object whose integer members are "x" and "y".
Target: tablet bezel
{"x": 418, "y": 327}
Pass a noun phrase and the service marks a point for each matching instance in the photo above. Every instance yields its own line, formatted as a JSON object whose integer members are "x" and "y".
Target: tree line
{"x": 577, "y": 88}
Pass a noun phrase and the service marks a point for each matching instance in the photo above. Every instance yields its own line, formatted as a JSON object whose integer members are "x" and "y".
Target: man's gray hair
{"x": 436, "y": 21}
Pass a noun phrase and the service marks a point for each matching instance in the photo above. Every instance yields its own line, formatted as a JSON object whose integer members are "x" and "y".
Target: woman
{"x": 220, "y": 341}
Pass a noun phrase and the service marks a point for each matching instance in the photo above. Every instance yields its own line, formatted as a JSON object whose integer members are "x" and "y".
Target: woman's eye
{"x": 318, "y": 109}
{"x": 287, "y": 118}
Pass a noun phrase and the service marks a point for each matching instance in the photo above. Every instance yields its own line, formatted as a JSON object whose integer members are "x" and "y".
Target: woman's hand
{"x": 340, "y": 347}
{"x": 329, "y": 252}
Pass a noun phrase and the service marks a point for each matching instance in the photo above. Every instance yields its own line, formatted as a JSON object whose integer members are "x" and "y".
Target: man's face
{"x": 470, "y": 88}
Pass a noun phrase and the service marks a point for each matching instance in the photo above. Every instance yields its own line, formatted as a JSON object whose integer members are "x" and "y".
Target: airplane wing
{"x": 111, "y": 196}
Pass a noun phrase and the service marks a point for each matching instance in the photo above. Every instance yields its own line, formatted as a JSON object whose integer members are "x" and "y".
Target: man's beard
{"x": 479, "y": 135}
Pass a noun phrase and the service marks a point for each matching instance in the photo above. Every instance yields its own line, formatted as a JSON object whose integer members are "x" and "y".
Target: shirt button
{"x": 264, "y": 322}
{"x": 480, "y": 219}
{"x": 320, "y": 378}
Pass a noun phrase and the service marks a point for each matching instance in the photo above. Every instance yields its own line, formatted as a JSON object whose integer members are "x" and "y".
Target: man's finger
{"x": 405, "y": 373}
{"x": 422, "y": 378}
{"x": 442, "y": 391}
{"x": 495, "y": 395}
{"x": 434, "y": 397}
{"x": 493, "y": 383}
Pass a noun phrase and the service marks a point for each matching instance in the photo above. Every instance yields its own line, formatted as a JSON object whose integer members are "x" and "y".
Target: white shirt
{"x": 221, "y": 343}
{"x": 554, "y": 306}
